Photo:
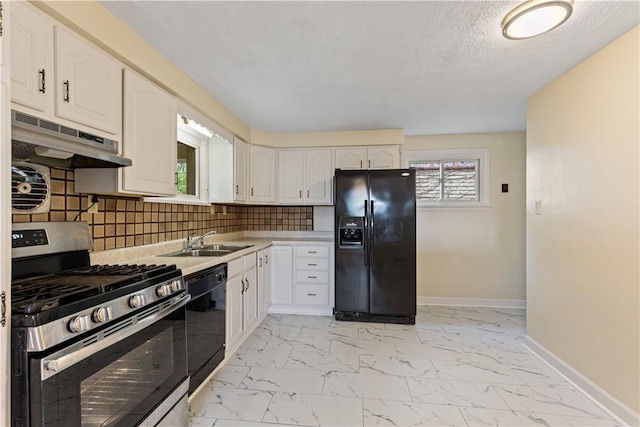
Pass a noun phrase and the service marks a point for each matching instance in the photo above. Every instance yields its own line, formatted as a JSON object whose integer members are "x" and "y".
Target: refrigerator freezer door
{"x": 352, "y": 273}
{"x": 393, "y": 242}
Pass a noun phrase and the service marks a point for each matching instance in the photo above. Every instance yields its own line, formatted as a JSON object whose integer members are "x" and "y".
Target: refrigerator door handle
{"x": 371, "y": 245}
{"x": 365, "y": 233}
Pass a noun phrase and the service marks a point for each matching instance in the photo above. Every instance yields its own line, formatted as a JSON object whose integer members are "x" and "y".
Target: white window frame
{"x": 191, "y": 137}
{"x": 483, "y": 176}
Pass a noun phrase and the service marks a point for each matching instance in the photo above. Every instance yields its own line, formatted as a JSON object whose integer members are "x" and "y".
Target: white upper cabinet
{"x": 375, "y": 157}
{"x": 150, "y": 122}
{"x": 386, "y": 157}
{"x": 319, "y": 176}
{"x": 291, "y": 176}
{"x": 262, "y": 174}
{"x": 31, "y": 57}
{"x": 88, "y": 83}
{"x": 239, "y": 170}
{"x": 305, "y": 176}
{"x": 351, "y": 158}
{"x": 56, "y": 74}
{"x": 150, "y": 132}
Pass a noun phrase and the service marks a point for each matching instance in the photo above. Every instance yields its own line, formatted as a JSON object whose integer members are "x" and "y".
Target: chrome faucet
{"x": 197, "y": 242}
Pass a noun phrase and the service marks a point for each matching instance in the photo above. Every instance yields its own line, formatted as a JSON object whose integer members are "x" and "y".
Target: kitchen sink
{"x": 202, "y": 252}
{"x": 209, "y": 250}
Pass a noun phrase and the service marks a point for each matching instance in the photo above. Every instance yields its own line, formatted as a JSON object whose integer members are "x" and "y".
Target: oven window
{"x": 114, "y": 391}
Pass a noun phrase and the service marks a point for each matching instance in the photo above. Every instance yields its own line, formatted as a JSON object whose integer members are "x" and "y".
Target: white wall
{"x": 583, "y": 163}
{"x": 476, "y": 253}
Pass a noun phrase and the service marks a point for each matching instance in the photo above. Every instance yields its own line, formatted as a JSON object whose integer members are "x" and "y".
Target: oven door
{"x": 118, "y": 379}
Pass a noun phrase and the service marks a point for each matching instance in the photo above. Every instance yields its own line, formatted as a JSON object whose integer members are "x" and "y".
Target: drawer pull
{"x": 312, "y": 277}
{"x": 311, "y": 295}
{"x": 310, "y": 265}
{"x": 312, "y": 252}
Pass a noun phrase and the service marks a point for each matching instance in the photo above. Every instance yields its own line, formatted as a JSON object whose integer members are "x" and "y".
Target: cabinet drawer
{"x": 307, "y": 276}
{"x": 313, "y": 251}
{"x": 312, "y": 294}
{"x": 312, "y": 264}
{"x": 235, "y": 267}
{"x": 249, "y": 261}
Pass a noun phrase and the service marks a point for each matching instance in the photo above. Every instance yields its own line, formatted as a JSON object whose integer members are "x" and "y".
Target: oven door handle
{"x": 67, "y": 357}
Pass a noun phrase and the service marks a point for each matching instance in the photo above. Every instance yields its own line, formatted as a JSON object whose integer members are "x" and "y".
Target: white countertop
{"x": 151, "y": 254}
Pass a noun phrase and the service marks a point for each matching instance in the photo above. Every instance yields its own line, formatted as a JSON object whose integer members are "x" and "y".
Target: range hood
{"x": 44, "y": 142}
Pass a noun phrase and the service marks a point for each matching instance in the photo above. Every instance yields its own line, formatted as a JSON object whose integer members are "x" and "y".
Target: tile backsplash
{"x": 124, "y": 222}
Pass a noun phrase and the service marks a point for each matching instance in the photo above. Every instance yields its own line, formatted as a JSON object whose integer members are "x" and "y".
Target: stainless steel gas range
{"x": 93, "y": 345}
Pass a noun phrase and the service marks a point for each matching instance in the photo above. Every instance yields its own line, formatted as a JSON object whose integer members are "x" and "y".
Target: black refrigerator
{"x": 375, "y": 223}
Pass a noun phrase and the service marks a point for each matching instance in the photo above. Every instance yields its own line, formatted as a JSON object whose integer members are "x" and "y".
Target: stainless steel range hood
{"x": 44, "y": 142}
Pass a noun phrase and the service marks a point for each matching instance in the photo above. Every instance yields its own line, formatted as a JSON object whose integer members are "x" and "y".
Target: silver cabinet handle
{"x": 312, "y": 265}
{"x": 236, "y": 189}
{"x": 259, "y": 261}
{"x": 312, "y": 252}
{"x": 311, "y": 295}
{"x": 266, "y": 259}
{"x": 312, "y": 277}
{"x": 242, "y": 281}
{"x": 252, "y": 191}
{"x": 360, "y": 164}
{"x": 247, "y": 285}
{"x": 307, "y": 194}
{"x": 301, "y": 194}
{"x": 369, "y": 164}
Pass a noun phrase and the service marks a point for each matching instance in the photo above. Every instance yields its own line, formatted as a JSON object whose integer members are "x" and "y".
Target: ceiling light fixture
{"x": 535, "y": 17}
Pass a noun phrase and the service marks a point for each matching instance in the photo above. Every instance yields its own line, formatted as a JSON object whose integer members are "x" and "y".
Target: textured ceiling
{"x": 428, "y": 67}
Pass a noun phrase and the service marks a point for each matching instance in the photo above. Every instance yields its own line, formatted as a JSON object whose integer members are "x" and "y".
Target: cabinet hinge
{"x": 1, "y": 27}
{"x": 3, "y": 308}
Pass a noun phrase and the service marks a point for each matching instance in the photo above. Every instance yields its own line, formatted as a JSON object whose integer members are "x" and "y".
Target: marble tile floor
{"x": 457, "y": 366}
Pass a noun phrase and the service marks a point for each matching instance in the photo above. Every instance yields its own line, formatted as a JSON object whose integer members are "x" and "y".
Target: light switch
{"x": 539, "y": 207}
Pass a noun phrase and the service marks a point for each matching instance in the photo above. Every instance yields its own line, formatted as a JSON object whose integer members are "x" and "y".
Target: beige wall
{"x": 582, "y": 251}
{"x": 476, "y": 253}
{"x": 329, "y": 139}
{"x": 93, "y": 21}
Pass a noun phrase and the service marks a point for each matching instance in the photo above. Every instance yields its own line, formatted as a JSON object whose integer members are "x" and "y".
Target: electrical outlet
{"x": 92, "y": 201}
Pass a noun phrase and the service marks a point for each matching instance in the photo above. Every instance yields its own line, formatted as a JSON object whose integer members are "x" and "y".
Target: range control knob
{"x": 176, "y": 285}
{"x": 220, "y": 277}
{"x": 103, "y": 314}
{"x": 79, "y": 324}
{"x": 136, "y": 301}
{"x": 163, "y": 290}
{"x": 51, "y": 365}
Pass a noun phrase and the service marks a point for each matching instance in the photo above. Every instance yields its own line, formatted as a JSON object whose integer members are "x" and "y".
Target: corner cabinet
{"x": 239, "y": 170}
{"x": 302, "y": 278}
{"x": 262, "y": 174}
{"x": 149, "y": 140}
{"x": 375, "y": 157}
{"x": 305, "y": 176}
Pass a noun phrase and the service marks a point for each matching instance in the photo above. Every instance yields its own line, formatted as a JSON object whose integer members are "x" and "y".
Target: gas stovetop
{"x": 50, "y": 291}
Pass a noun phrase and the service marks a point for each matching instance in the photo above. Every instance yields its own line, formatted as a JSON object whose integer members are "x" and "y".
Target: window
{"x": 451, "y": 178}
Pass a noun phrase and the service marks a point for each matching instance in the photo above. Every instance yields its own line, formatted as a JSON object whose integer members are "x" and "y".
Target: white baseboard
{"x": 594, "y": 392}
{"x": 473, "y": 302}
{"x": 307, "y": 311}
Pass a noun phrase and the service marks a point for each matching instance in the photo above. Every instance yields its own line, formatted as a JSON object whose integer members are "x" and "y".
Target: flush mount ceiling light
{"x": 535, "y": 17}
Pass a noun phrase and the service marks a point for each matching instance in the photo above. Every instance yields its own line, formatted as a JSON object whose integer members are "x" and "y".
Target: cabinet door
{"x": 383, "y": 157}
{"x": 264, "y": 281}
{"x": 150, "y": 121}
{"x": 350, "y": 158}
{"x": 88, "y": 84}
{"x": 235, "y": 309}
{"x": 262, "y": 174}
{"x": 31, "y": 57}
{"x": 319, "y": 176}
{"x": 290, "y": 176}
{"x": 250, "y": 298}
{"x": 239, "y": 170}
{"x": 281, "y": 275}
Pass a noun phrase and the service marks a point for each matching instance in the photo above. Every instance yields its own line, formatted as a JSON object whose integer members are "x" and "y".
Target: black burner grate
{"x": 42, "y": 293}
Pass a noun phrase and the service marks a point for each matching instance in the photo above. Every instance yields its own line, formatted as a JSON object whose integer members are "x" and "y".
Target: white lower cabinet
{"x": 302, "y": 278}
{"x": 242, "y": 299}
{"x": 264, "y": 281}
